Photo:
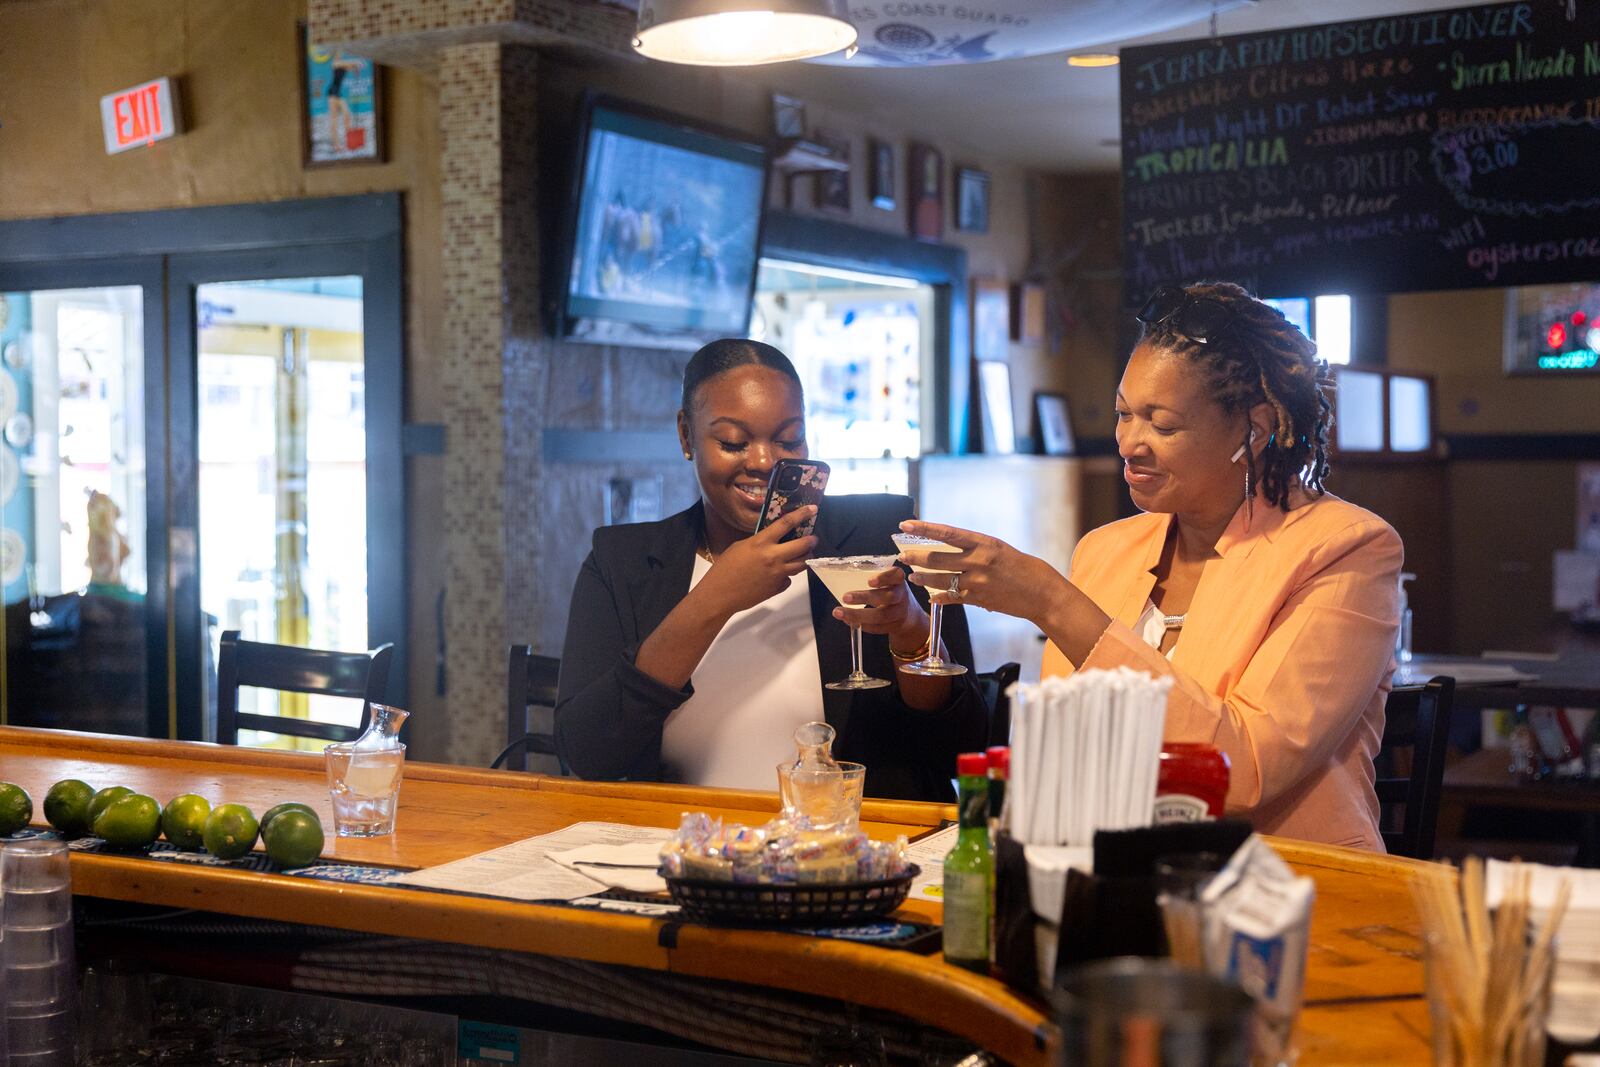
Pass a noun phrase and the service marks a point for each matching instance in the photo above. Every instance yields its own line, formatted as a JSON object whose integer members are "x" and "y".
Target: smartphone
{"x": 794, "y": 484}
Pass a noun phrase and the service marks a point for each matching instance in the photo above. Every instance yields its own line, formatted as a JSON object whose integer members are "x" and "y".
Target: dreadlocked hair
{"x": 1262, "y": 357}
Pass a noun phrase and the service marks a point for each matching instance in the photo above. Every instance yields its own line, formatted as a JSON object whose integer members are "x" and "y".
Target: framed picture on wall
{"x": 1054, "y": 425}
{"x": 832, "y": 191}
{"x": 341, "y": 117}
{"x": 994, "y": 391}
{"x": 926, "y": 167}
{"x": 1027, "y": 313}
{"x": 880, "y": 176}
{"x": 972, "y": 200}
{"x": 991, "y": 319}
{"x": 788, "y": 117}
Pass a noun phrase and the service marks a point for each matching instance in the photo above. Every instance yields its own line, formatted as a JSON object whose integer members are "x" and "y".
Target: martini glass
{"x": 932, "y": 664}
{"x": 850, "y": 574}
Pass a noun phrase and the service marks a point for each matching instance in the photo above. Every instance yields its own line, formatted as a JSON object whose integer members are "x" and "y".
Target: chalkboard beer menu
{"x": 1437, "y": 150}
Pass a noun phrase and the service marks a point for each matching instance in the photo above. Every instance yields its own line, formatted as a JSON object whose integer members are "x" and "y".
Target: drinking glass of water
{"x": 365, "y": 786}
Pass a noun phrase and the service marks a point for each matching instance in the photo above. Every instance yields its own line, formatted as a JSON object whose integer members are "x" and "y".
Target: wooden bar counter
{"x": 1364, "y": 987}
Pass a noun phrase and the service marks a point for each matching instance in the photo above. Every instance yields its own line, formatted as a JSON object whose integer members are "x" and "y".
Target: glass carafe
{"x": 383, "y": 729}
{"x": 816, "y": 787}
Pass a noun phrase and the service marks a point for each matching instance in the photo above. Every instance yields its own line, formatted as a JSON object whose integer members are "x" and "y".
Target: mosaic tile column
{"x": 471, "y": 105}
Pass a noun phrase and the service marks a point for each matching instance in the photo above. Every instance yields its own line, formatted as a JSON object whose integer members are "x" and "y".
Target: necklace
{"x": 702, "y": 548}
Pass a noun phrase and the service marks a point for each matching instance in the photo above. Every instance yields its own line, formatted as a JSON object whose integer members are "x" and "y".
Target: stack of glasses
{"x": 1085, "y": 754}
{"x": 40, "y": 973}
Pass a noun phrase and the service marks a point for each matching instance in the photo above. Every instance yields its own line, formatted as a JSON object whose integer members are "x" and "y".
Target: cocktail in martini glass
{"x": 932, "y": 664}
{"x": 851, "y": 574}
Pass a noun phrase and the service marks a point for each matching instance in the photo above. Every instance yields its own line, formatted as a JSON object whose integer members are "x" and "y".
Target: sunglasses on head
{"x": 1199, "y": 318}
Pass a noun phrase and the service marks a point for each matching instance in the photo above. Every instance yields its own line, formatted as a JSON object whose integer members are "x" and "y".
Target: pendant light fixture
{"x": 742, "y": 33}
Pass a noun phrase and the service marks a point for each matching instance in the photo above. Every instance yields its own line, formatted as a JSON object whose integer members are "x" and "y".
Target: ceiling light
{"x": 1092, "y": 59}
{"x": 741, "y": 33}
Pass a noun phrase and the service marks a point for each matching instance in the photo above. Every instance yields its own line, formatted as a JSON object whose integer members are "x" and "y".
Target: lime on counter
{"x": 66, "y": 806}
{"x": 16, "y": 808}
{"x": 184, "y": 820}
{"x": 131, "y": 821}
{"x": 230, "y": 831}
{"x": 293, "y": 839}
{"x": 278, "y": 809}
{"x": 101, "y": 800}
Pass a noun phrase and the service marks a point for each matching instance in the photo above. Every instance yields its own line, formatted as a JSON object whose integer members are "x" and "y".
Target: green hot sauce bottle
{"x": 969, "y": 871}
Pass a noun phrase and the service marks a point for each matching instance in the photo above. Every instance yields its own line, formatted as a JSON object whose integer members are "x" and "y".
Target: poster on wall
{"x": 342, "y": 113}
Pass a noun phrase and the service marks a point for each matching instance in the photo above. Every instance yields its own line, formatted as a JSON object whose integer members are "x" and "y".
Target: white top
{"x": 758, "y": 682}
{"x": 1152, "y": 629}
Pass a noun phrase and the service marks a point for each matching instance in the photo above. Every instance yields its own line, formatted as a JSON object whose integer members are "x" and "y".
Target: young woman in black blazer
{"x": 652, "y": 604}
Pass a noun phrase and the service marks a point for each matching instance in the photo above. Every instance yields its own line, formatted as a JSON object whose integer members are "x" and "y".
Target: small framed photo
{"x": 1027, "y": 313}
{"x": 926, "y": 166}
{"x": 994, "y": 391}
{"x": 341, "y": 120}
{"x": 788, "y": 117}
{"x": 991, "y": 319}
{"x": 880, "y": 180}
{"x": 1053, "y": 424}
{"x": 972, "y": 200}
{"x": 832, "y": 190}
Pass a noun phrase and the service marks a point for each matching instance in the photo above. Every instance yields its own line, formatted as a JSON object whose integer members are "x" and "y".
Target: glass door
{"x": 74, "y": 565}
{"x": 200, "y": 429}
{"x": 283, "y": 475}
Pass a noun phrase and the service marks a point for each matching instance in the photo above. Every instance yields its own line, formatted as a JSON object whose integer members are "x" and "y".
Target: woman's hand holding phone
{"x": 760, "y": 566}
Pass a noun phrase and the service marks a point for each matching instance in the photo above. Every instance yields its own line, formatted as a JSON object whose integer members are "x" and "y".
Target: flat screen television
{"x": 665, "y": 229}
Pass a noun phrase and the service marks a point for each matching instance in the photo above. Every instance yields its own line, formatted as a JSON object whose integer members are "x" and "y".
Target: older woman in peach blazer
{"x": 1271, "y": 604}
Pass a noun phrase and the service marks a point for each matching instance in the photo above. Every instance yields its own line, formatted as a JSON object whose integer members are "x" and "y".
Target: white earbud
{"x": 1240, "y": 450}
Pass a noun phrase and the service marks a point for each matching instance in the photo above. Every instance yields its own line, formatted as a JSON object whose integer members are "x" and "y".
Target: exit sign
{"x": 142, "y": 115}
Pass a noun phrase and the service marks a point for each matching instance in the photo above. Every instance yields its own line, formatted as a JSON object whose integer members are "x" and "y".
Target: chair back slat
{"x": 1417, "y": 718}
{"x": 992, "y": 685}
{"x": 362, "y": 676}
{"x": 532, "y": 682}
{"x": 304, "y": 670}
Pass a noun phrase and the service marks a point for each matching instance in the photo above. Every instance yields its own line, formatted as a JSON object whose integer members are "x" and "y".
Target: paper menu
{"x": 523, "y": 870}
{"x": 929, "y": 853}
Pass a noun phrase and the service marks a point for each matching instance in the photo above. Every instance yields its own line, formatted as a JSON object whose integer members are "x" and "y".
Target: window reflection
{"x": 860, "y": 343}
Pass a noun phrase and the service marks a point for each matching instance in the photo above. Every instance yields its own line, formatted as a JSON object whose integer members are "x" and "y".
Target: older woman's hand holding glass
{"x": 998, "y": 577}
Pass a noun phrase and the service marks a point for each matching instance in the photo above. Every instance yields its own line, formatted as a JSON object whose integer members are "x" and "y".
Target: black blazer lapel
{"x": 669, "y": 564}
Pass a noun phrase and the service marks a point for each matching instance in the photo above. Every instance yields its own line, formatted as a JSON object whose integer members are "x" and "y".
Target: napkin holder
{"x": 1056, "y": 907}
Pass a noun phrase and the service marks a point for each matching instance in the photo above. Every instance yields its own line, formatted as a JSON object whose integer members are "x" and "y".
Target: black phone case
{"x": 782, "y": 500}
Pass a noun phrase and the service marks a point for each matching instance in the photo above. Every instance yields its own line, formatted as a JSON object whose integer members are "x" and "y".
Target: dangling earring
{"x": 1249, "y": 470}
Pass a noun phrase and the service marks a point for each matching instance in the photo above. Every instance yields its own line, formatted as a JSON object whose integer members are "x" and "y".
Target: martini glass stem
{"x": 934, "y": 614}
{"x": 856, "y": 673}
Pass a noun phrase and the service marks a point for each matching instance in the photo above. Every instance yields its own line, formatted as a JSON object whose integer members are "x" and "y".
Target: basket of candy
{"x": 811, "y": 866}
{"x": 784, "y": 873}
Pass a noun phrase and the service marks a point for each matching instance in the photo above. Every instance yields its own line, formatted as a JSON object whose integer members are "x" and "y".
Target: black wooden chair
{"x": 363, "y": 676}
{"x": 1416, "y": 718}
{"x": 993, "y": 685}
{"x": 531, "y": 683}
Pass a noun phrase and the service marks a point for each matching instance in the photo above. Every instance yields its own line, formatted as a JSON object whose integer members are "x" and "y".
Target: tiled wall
{"x": 470, "y": 107}
{"x": 416, "y": 32}
{"x": 588, "y": 387}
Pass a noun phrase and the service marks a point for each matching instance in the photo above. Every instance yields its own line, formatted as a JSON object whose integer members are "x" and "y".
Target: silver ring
{"x": 955, "y": 585}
